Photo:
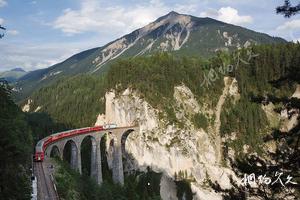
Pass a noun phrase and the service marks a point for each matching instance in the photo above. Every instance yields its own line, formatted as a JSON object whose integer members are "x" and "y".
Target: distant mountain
{"x": 13, "y": 75}
{"x": 176, "y": 33}
{"x": 18, "y": 69}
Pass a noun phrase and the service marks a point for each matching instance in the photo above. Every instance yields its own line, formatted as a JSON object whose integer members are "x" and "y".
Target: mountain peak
{"x": 174, "y": 32}
{"x": 171, "y": 16}
{"x": 172, "y": 13}
{"x": 18, "y": 69}
{"x": 13, "y": 74}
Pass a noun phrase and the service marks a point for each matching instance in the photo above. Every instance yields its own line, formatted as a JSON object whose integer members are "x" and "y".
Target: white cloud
{"x": 12, "y": 32}
{"x": 1, "y": 21}
{"x": 93, "y": 17}
{"x": 228, "y": 15}
{"x": 289, "y": 29}
{"x": 2, "y": 3}
{"x": 290, "y": 25}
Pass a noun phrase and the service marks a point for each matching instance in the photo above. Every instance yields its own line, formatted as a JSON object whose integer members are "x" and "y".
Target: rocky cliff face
{"x": 170, "y": 149}
{"x": 185, "y": 152}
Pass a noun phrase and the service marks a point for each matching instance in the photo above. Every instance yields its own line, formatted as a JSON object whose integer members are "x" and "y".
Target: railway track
{"x": 45, "y": 187}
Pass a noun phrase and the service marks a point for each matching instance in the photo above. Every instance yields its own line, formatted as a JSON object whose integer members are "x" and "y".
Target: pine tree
{"x": 287, "y": 9}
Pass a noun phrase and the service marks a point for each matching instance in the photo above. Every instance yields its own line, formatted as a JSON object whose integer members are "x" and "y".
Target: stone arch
{"x": 71, "y": 154}
{"x": 54, "y": 151}
{"x": 114, "y": 151}
{"x": 124, "y": 138}
{"x": 88, "y": 151}
{"x": 111, "y": 145}
{"x": 127, "y": 159}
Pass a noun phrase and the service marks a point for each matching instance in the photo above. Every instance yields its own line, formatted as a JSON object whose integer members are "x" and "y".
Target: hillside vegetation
{"x": 246, "y": 117}
{"x": 76, "y": 102}
{"x": 15, "y": 149}
{"x": 139, "y": 186}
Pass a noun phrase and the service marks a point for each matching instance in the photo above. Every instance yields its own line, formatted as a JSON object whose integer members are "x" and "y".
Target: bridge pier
{"x": 61, "y": 146}
{"x": 79, "y": 163}
{"x": 96, "y": 168}
{"x": 117, "y": 169}
{"x": 117, "y": 165}
{"x": 74, "y": 156}
{"x": 94, "y": 160}
{"x": 98, "y": 162}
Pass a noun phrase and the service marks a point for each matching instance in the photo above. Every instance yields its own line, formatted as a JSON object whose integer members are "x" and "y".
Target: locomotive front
{"x": 39, "y": 151}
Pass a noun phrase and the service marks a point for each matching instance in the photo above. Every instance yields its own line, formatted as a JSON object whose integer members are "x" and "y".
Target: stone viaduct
{"x": 117, "y": 137}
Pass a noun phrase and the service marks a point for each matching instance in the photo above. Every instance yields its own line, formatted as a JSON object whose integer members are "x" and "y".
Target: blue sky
{"x": 41, "y": 33}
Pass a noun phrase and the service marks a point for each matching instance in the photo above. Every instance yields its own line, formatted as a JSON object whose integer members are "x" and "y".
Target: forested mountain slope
{"x": 184, "y": 93}
{"x": 156, "y": 76}
{"x": 15, "y": 149}
{"x": 174, "y": 32}
{"x": 12, "y": 75}
{"x": 175, "y": 99}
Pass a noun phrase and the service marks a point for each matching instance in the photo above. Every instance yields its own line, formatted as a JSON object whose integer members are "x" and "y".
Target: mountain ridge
{"x": 13, "y": 75}
{"x": 175, "y": 33}
{"x": 18, "y": 69}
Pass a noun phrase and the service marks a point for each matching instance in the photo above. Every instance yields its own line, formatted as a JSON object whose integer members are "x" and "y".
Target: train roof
{"x": 58, "y": 133}
{"x": 41, "y": 142}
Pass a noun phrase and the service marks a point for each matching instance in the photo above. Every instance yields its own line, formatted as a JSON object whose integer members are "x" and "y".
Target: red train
{"x": 43, "y": 143}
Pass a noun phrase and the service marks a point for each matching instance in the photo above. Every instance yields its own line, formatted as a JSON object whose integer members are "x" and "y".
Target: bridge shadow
{"x": 85, "y": 150}
{"x": 104, "y": 149}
